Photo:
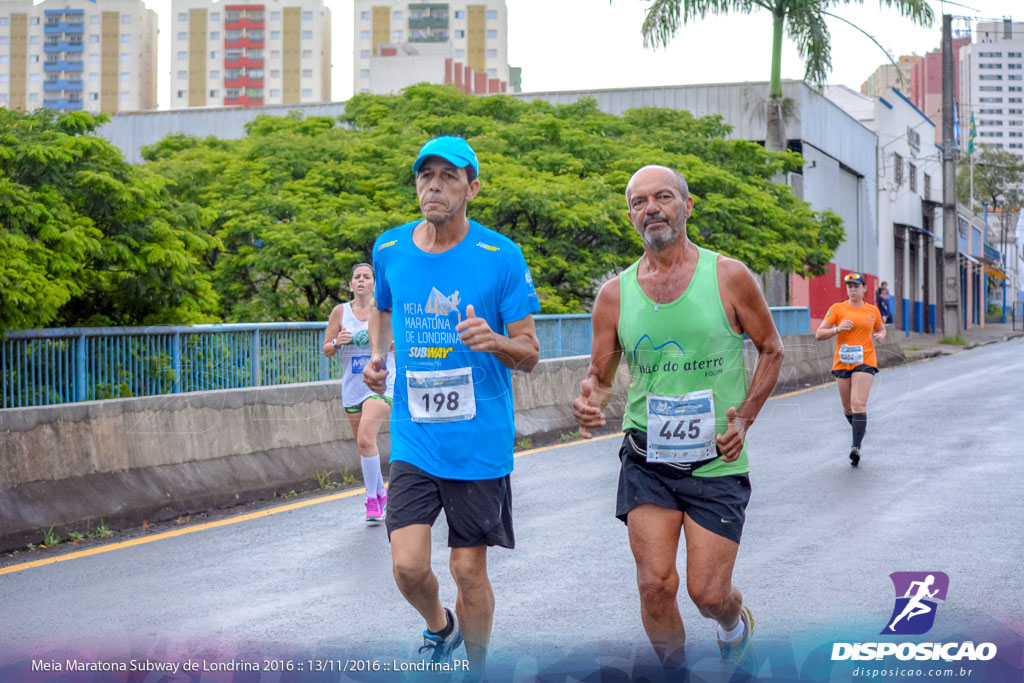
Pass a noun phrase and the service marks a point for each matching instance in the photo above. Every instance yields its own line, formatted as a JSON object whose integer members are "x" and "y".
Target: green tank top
{"x": 683, "y": 346}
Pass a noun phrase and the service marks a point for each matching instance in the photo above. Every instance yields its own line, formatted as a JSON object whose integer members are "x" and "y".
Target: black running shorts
{"x": 846, "y": 374}
{"x": 716, "y": 503}
{"x": 478, "y": 512}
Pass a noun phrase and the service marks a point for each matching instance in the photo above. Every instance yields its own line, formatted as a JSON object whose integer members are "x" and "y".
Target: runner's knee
{"x": 657, "y": 588}
{"x": 410, "y": 573}
{"x": 710, "y": 600}
{"x": 469, "y": 574}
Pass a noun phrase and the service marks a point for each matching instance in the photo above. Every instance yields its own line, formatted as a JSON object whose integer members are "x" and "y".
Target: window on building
{"x": 364, "y": 16}
{"x": 182, "y": 56}
{"x": 1014, "y": 99}
{"x": 990, "y": 77}
{"x": 307, "y": 92}
{"x": 275, "y": 35}
{"x": 94, "y": 58}
{"x": 33, "y": 97}
{"x": 1013, "y": 77}
{"x": 182, "y": 35}
{"x": 214, "y": 16}
{"x": 126, "y": 96}
{"x": 33, "y": 59}
{"x": 991, "y": 111}
{"x": 491, "y": 33}
{"x": 992, "y": 65}
{"x": 992, "y": 99}
{"x": 307, "y": 54}
{"x": 182, "y": 75}
{"x": 307, "y": 73}
{"x": 3, "y": 98}
{"x": 126, "y": 18}
{"x": 991, "y": 88}
{"x": 275, "y": 73}
{"x": 94, "y": 37}
{"x": 492, "y": 14}
{"x": 33, "y": 78}
{"x": 493, "y": 73}
{"x": 364, "y": 73}
{"x": 460, "y": 33}
{"x": 275, "y": 92}
{"x": 214, "y": 93}
{"x": 307, "y": 35}
{"x": 366, "y": 54}
{"x": 94, "y": 19}
{"x": 399, "y": 15}
{"x": 126, "y": 76}
{"x": 126, "y": 57}
{"x": 182, "y": 16}
{"x": 364, "y": 35}
{"x": 4, "y": 59}
{"x": 5, "y": 21}
{"x": 897, "y": 169}
{"x": 181, "y": 94}
{"x": 35, "y": 40}
{"x": 214, "y": 35}
{"x": 1014, "y": 88}
{"x": 912, "y": 174}
{"x": 276, "y": 16}
{"x": 215, "y": 75}
{"x": 4, "y": 78}
{"x": 214, "y": 54}
{"x": 4, "y": 40}
{"x": 307, "y": 16}
{"x": 1017, "y": 111}
{"x": 126, "y": 37}
{"x": 396, "y": 35}
{"x": 492, "y": 53}
{"x": 460, "y": 54}
{"x": 1013, "y": 54}
{"x": 1014, "y": 66}
{"x": 927, "y": 186}
{"x": 275, "y": 54}
{"x": 231, "y": 93}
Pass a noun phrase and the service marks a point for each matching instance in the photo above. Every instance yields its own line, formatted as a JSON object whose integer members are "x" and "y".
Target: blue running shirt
{"x": 428, "y": 294}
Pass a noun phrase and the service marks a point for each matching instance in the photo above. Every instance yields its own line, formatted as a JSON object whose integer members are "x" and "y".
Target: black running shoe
{"x": 854, "y": 456}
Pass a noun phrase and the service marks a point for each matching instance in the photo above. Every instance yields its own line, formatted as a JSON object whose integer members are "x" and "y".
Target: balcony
{"x": 243, "y": 8}
{"x": 64, "y": 27}
{"x": 63, "y": 84}
{"x": 428, "y": 22}
{"x": 62, "y": 103}
{"x": 243, "y": 101}
{"x": 63, "y": 46}
{"x": 992, "y": 254}
{"x": 243, "y": 42}
{"x": 244, "y": 82}
{"x": 243, "y": 63}
{"x": 243, "y": 23}
{"x": 62, "y": 65}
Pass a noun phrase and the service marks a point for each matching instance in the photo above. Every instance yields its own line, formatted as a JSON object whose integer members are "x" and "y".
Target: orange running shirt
{"x": 855, "y": 342}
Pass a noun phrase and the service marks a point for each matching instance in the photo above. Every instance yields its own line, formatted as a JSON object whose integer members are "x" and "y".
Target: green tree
{"x": 803, "y": 20}
{"x": 998, "y": 179}
{"x": 300, "y": 200}
{"x": 86, "y": 238}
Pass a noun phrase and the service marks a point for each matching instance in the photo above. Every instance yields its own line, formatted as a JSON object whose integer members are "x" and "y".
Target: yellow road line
{"x": 275, "y": 510}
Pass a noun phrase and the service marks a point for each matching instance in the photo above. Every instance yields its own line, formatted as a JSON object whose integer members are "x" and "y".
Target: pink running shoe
{"x": 373, "y": 512}
{"x": 382, "y": 501}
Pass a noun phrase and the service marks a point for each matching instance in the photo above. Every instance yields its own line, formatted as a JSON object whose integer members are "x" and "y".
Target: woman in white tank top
{"x": 367, "y": 411}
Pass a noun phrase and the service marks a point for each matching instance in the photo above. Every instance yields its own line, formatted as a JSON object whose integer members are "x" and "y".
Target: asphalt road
{"x": 939, "y": 489}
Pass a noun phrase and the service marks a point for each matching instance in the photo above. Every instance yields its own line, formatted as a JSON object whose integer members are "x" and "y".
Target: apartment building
{"x": 992, "y": 69}
{"x": 890, "y": 76}
{"x": 926, "y": 83}
{"x": 399, "y": 43}
{"x": 231, "y": 54}
{"x": 72, "y": 55}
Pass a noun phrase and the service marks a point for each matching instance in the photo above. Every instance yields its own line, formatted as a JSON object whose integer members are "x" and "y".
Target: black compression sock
{"x": 860, "y": 423}
{"x": 849, "y": 418}
{"x": 446, "y": 631}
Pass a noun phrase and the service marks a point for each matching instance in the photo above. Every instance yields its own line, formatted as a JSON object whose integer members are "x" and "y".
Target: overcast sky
{"x": 572, "y": 44}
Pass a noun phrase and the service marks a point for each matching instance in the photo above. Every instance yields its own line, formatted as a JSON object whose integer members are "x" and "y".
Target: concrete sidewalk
{"x": 917, "y": 346}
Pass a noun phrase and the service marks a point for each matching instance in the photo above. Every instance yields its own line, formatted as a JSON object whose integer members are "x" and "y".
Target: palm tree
{"x": 804, "y": 20}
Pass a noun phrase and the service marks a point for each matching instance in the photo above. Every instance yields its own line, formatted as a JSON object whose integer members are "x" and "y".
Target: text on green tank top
{"x": 682, "y": 346}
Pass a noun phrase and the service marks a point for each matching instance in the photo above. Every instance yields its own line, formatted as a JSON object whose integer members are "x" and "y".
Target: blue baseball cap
{"x": 452, "y": 149}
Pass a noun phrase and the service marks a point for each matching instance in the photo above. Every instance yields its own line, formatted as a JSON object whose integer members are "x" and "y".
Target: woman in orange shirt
{"x": 857, "y": 325}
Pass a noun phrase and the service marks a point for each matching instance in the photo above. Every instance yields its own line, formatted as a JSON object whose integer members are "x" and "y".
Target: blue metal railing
{"x": 45, "y": 367}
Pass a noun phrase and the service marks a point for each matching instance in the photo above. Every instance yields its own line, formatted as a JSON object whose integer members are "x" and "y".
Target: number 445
{"x": 682, "y": 430}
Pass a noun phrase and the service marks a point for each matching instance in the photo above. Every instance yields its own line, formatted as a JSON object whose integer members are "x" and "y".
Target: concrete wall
{"x": 154, "y": 458}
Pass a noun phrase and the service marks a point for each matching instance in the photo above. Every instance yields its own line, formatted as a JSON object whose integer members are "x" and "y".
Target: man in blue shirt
{"x": 457, "y": 300}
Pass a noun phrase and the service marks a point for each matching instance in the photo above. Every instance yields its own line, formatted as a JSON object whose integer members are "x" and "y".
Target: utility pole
{"x": 950, "y": 257}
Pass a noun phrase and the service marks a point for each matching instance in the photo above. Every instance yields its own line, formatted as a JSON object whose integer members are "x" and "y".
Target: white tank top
{"x": 354, "y": 357}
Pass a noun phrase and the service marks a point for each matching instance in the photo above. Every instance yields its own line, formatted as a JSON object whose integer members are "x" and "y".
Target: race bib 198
{"x": 851, "y": 355}
{"x": 681, "y": 429}
{"x": 441, "y": 395}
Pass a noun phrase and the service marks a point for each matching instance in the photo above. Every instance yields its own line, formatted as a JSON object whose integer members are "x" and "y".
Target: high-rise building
{"x": 78, "y": 55}
{"x": 926, "y": 84}
{"x": 399, "y": 43}
{"x": 890, "y": 76}
{"x": 274, "y": 52}
{"x": 992, "y": 69}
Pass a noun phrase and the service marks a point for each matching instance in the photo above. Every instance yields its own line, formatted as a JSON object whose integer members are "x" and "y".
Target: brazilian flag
{"x": 972, "y": 133}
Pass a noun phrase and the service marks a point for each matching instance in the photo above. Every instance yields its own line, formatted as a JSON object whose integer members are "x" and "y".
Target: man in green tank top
{"x": 679, "y": 315}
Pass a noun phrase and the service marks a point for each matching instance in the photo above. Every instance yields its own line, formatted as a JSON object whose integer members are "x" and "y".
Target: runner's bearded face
{"x": 442, "y": 188}
{"x": 657, "y": 208}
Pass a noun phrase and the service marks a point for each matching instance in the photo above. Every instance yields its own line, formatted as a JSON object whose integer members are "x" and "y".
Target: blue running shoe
{"x": 441, "y": 648}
